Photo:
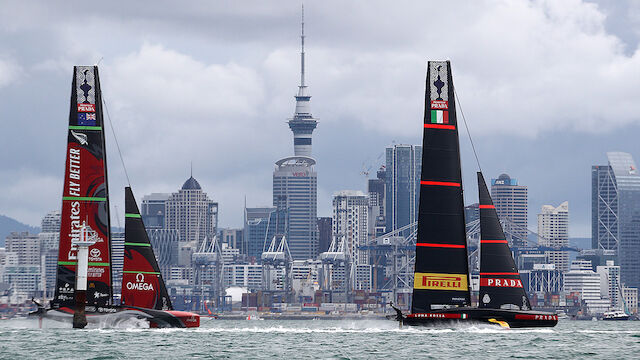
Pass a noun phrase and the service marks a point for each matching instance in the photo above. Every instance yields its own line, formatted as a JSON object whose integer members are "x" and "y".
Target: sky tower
{"x": 295, "y": 181}
{"x": 302, "y": 124}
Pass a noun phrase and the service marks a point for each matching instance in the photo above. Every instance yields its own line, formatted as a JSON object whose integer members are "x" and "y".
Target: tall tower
{"x": 616, "y": 213}
{"x": 510, "y": 200}
{"x": 295, "y": 181}
{"x": 302, "y": 124}
{"x": 403, "y": 169}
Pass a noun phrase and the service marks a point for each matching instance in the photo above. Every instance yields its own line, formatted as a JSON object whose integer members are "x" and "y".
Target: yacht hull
{"x": 503, "y": 317}
{"x": 113, "y": 315}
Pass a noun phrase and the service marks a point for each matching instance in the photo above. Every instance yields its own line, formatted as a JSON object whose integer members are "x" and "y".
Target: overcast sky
{"x": 548, "y": 87}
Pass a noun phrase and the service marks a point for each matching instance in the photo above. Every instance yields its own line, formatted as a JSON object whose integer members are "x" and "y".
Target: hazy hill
{"x": 9, "y": 225}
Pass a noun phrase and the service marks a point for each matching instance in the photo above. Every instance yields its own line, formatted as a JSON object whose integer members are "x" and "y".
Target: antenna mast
{"x": 302, "y": 50}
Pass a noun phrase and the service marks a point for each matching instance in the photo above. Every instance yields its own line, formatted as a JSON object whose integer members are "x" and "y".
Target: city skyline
{"x": 360, "y": 92}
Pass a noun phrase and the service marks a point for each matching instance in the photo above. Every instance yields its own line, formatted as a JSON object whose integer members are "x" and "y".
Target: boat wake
{"x": 366, "y": 326}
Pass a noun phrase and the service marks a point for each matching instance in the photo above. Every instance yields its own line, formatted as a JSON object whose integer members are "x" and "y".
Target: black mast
{"x": 441, "y": 276}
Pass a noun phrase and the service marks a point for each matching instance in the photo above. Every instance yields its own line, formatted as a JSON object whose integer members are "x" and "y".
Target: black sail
{"x": 142, "y": 283}
{"x": 441, "y": 277}
{"x": 500, "y": 283}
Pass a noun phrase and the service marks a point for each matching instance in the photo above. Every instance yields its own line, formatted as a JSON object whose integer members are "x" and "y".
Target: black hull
{"x": 113, "y": 315}
{"x": 505, "y": 318}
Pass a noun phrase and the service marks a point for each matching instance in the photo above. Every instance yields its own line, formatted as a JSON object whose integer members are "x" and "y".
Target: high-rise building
{"x": 165, "y": 244}
{"x": 324, "y": 234}
{"x": 471, "y": 213}
{"x": 26, "y": 246}
{"x": 191, "y": 212}
{"x": 376, "y": 190}
{"x": 49, "y": 240}
{"x": 261, "y": 224}
{"x": 631, "y": 298}
{"x": 350, "y": 222}
{"x": 615, "y": 213}
{"x": 233, "y": 238}
{"x": 295, "y": 181}
{"x": 402, "y": 193}
{"x": 553, "y": 227}
{"x": 48, "y": 268}
{"x": 153, "y": 210}
{"x": 510, "y": 200}
{"x": 117, "y": 260}
{"x": 51, "y": 222}
{"x": 610, "y": 287}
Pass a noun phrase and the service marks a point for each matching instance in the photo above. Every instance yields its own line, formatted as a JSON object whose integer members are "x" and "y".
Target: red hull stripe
{"x": 437, "y": 316}
{"x": 493, "y": 241}
{"x": 486, "y": 207}
{"x": 441, "y": 245}
{"x": 536, "y": 317}
{"x": 499, "y": 273}
{"x": 438, "y": 126}
{"x": 440, "y": 183}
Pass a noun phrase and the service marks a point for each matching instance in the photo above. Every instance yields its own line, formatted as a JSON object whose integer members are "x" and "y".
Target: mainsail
{"x": 500, "y": 284}
{"x": 142, "y": 283}
{"x": 441, "y": 276}
{"x": 85, "y": 198}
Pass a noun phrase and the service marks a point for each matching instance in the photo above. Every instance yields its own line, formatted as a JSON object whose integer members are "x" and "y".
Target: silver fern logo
{"x": 82, "y": 138}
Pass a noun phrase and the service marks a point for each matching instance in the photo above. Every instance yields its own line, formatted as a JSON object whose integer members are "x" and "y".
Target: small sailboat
{"x": 441, "y": 290}
{"x": 85, "y": 209}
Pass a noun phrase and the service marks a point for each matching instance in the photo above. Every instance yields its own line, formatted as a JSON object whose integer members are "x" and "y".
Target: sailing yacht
{"x": 85, "y": 207}
{"x": 441, "y": 290}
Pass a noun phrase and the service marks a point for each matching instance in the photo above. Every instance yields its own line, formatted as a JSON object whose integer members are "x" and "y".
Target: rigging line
{"x": 464, "y": 119}
{"x": 104, "y": 101}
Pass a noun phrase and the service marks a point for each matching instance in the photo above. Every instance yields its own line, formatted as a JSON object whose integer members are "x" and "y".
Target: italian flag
{"x": 439, "y": 117}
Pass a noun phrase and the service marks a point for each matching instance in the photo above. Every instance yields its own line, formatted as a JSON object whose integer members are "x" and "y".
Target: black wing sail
{"x": 500, "y": 283}
{"x": 441, "y": 277}
{"x": 142, "y": 283}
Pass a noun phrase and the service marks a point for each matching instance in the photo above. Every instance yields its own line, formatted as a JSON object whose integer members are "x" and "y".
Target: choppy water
{"x": 345, "y": 339}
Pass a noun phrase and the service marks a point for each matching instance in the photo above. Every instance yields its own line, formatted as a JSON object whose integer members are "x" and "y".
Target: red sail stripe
{"x": 440, "y": 183}
{"x": 486, "y": 207}
{"x": 493, "y": 241}
{"x": 439, "y": 126}
{"x": 441, "y": 245}
{"x": 499, "y": 273}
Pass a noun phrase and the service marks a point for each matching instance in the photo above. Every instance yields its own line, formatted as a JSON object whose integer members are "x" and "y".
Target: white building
{"x": 247, "y": 276}
{"x": 553, "y": 227}
{"x": 610, "y": 287}
{"x": 350, "y": 220}
{"x": 583, "y": 280}
{"x": 631, "y": 299}
{"x": 117, "y": 260}
{"x": 26, "y": 246}
{"x": 23, "y": 279}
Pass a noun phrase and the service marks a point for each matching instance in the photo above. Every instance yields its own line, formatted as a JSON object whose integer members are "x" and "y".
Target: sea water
{"x": 321, "y": 339}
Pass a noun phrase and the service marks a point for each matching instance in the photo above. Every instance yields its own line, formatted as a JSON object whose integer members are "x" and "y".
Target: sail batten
{"x": 441, "y": 277}
{"x": 85, "y": 197}
{"x": 500, "y": 283}
{"x": 142, "y": 283}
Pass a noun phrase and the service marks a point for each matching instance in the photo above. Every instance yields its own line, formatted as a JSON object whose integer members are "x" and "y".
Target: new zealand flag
{"x": 87, "y": 119}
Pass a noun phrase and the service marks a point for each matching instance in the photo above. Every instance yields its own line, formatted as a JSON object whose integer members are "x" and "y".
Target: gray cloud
{"x": 213, "y": 83}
